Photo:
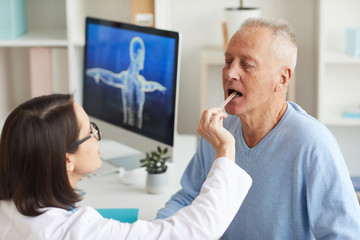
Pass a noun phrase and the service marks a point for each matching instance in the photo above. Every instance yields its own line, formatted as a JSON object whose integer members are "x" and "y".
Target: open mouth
{"x": 230, "y": 91}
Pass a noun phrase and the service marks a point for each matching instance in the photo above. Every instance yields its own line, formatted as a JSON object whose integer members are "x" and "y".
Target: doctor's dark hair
{"x": 34, "y": 141}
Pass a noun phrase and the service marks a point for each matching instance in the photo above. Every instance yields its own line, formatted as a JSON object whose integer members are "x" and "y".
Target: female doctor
{"x": 48, "y": 143}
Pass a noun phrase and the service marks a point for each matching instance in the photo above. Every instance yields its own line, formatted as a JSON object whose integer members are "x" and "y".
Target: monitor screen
{"x": 130, "y": 77}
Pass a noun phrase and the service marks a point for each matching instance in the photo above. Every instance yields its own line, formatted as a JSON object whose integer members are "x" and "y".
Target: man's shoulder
{"x": 305, "y": 126}
{"x": 298, "y": 116}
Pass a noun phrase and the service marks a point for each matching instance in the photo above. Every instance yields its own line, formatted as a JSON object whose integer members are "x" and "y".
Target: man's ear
{"x": 70, "y": 162}
{"x": 285, "y": 77}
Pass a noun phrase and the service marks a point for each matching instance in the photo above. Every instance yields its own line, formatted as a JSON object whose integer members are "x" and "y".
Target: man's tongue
{"x": 238, "y": 94}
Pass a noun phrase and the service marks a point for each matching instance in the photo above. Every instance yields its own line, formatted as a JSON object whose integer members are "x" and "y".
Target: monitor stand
{"x": 120, "y": 155}
{"x": 128, "y": 162}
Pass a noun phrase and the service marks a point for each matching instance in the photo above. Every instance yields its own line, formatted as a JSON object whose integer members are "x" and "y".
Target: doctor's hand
{"x": 211, "y": 128}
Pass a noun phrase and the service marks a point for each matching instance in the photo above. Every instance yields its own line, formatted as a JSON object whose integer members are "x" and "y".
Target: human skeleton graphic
{"x": 133, "y": 85}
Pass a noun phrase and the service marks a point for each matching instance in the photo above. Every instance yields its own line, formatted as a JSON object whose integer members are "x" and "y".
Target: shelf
{"x": 79, "y": 43}
{"x": 340, "y": 121}
{"x": 333, "y": 116}
{"x": 338, "y": 71}
{"x": 340, "y": 58}
{"x": 38, "y": 37}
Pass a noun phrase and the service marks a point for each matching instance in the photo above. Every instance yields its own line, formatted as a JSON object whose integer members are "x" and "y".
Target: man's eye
{"x": 247, "y": 66}
{"x": 228, "y": 61}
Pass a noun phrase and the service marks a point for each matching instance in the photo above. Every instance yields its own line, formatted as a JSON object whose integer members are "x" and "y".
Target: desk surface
{"x": 109, "y": 192}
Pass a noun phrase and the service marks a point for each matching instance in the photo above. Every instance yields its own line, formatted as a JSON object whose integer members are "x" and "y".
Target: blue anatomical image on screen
{"x": 130, "y": 80}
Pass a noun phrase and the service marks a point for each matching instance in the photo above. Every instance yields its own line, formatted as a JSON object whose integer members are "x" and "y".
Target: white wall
{"x": 4, "y": 86}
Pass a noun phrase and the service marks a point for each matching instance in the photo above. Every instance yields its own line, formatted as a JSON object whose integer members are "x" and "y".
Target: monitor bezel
{"x": 147, "y": 30}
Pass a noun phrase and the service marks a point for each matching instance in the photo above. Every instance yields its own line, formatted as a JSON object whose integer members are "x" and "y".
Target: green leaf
{"x": 155, "y": 161}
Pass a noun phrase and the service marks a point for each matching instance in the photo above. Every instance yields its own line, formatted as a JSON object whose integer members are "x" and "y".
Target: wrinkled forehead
{"x": 256, "y": 36}
{"x": 254, "y": 42}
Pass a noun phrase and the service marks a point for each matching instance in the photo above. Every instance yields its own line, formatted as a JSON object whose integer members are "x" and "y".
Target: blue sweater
{"x": 301, "y": 185}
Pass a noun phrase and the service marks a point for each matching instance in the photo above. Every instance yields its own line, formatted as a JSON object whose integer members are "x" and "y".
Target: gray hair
{"x": 282, "y": 31}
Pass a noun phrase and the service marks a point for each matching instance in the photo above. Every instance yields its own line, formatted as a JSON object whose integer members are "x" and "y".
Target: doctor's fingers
{"x": 206, "y": 119}
{"x": 211, "y": 123}
{"x": 209, "y": 114}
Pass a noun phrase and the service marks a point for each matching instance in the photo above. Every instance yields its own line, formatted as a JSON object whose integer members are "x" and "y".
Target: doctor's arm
{"x": 212, "y": 211}
{"x": 192, "y": 179}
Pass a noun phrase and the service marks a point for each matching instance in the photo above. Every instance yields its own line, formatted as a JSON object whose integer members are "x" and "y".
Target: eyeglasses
{"x": 94, "y": 132}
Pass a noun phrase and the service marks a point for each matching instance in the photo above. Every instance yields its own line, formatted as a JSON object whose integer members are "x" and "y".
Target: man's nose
{"x": 233, "y": 71}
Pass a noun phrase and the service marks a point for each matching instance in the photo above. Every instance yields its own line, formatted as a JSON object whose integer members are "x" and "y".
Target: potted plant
{"x": 155, "y": 165}
{"x": 235, "y": 16}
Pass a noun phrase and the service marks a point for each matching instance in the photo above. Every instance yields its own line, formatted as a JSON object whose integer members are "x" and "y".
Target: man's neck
{"x": 259, "y": 123}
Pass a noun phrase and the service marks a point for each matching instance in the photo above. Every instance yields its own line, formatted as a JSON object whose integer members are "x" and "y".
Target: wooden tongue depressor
{"x": 228, "y": 99}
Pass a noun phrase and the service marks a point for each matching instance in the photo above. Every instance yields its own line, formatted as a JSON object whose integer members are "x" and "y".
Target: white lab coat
{"x": 207, "y": 218}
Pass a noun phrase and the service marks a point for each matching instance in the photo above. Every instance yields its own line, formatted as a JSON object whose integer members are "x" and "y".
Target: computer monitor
{"x": 131, "y": 83}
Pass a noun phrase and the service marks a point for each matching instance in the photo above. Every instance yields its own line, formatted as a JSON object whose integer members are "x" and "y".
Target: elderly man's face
{"x": 250, "y": 68}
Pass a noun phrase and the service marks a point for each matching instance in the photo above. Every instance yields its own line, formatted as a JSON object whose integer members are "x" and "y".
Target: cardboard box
{"x": 142, "y": 12}
{"x": 13, "y": 18}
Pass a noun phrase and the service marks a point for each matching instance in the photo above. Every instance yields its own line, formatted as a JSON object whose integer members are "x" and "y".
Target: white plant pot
{"x": 157, "y": 183}
{"x": 234, "y": 17}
